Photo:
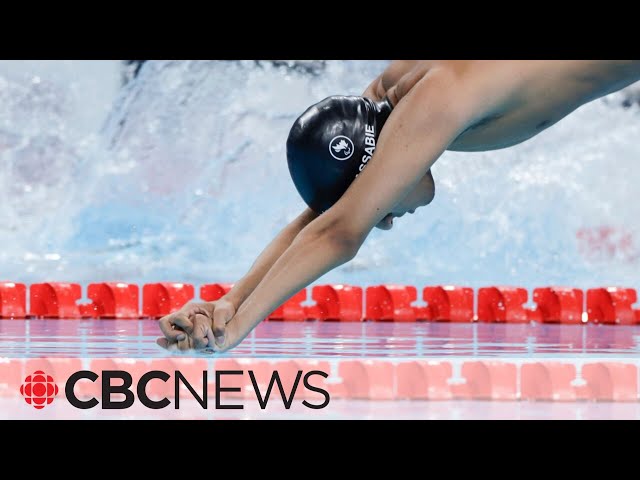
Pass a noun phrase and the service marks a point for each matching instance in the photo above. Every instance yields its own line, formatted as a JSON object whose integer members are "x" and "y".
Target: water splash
{"x": 185, "y": 178}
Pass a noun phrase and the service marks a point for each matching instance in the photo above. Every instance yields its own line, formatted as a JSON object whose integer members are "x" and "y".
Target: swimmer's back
{"x": 509, "y": 101}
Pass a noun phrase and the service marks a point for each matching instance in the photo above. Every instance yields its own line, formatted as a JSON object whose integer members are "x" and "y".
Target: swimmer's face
{"x": 421, "y": 195}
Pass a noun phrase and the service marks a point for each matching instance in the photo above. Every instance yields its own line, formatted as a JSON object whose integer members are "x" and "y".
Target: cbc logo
{"x": 39, "y": 389}
{"x": 341, "y": 147}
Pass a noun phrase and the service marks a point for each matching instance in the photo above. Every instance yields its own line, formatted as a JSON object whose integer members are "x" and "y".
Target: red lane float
{"x": 112, "y": 300}
{"x": 11, "y": 376}
{"x": 503, "y": 304}
{"x": 487, "y": 380}
{"x": 612, "y": 382}
{"x": 370, "y": 379}
{"x": 612, "y": 305}
{"x": 391, "y": 303}
{"x": 54, "y": 300}
{"x": 448, "y": 304}
{"x": 364, "y": 379}
{"x": 559, "y": 304}
{"x": 336, "y": 302}
{"x": 424, "y": 380}
{"x": 160, "y": 299}
{"x": 214, "y": 291}
{"x": 13, "y": 300}
{"x": 549, "y": 381}
{"x": 291, "y": 310}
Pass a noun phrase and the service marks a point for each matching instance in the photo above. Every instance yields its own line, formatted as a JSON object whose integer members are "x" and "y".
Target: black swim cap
{"x": 330, "y": 144}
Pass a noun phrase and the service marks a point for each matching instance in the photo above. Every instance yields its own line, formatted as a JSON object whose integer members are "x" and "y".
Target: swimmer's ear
{"x": 432, "y": 185}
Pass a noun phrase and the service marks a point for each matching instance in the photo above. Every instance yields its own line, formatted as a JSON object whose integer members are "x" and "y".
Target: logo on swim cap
{"x": 341, "y": 147}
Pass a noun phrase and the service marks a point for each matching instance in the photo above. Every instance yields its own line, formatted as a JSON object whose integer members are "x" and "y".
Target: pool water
{"x": 373, "y": 369}
{"x": 136, "y": 339}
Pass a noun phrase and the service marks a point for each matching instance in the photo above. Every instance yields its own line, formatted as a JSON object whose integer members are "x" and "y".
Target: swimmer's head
{"x": 421, "y": 195}
{"x": 332, "y": 142}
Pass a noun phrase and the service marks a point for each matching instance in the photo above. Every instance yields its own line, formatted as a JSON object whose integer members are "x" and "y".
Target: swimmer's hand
{"x": 196, "y": 326}
{"x": 234, "y": 334}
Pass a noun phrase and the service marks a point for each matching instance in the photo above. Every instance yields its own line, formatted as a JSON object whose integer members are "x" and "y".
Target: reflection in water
{"x": 133, "y": 338}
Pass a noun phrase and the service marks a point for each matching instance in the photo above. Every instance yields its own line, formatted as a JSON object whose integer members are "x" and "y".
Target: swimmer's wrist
{"x": 233, "y": 298}
{"x": 243, "y": 324}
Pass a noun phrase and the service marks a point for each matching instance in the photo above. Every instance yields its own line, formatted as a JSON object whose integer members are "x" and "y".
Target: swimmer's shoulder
{"x": 477, "y": 90}
{"x": 465, "y": 77}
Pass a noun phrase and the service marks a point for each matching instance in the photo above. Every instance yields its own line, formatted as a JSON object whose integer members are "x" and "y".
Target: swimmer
{"x": 355, "y": 175}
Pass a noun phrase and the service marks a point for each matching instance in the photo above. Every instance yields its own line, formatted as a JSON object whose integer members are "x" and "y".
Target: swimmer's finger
{"x": 211, "y": 339}
{"x": 185, "y": 344}
{"x": 232, "y": 337}
{"x": 174, "y": 326}
{"x": 200, "y": 342}
{"x": 195, "y": 309}
{"x": 166, "y": 326}
{"x": 183, "y": 322}
{"x": 220, "y": 319}
{"x": 202, "y": 325}
{"x": 167, "y": 345}
{"x": 199, "y": 338}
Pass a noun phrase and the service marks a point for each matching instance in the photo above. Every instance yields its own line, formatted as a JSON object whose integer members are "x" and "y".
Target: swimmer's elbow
{"x": 344, "y": 241}
{"x": 302, "y": 220}
{"x": 347, "y": 242}
{"x": 338, "y": 236}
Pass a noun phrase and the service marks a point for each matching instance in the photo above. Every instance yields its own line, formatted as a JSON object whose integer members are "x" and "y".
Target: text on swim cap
{"x": 370, "y": 140}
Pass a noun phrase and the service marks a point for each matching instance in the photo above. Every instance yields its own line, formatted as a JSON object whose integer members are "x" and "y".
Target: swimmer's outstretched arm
{"x": 183, "y": 330}
{"x": 418, "y": 131}
{"x": 243, "y": 287}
